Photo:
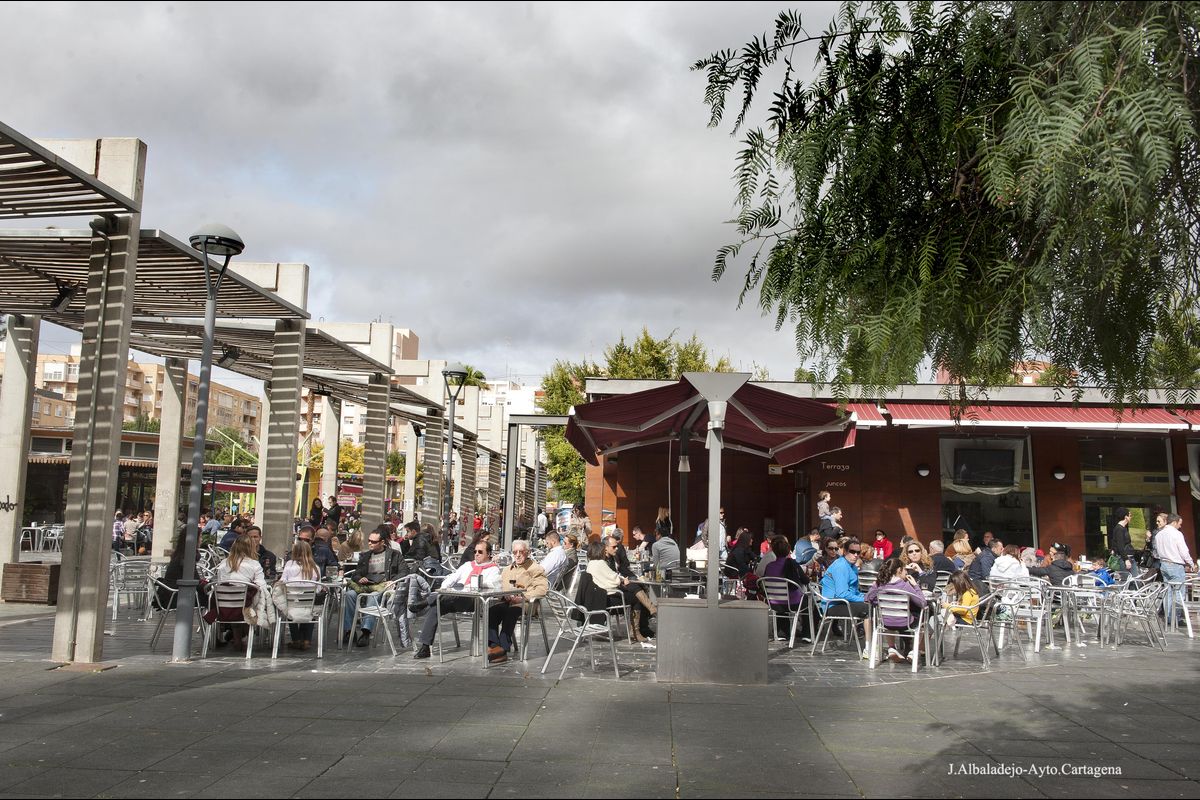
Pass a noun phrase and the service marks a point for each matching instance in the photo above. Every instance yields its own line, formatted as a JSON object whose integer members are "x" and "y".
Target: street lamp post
{"x": 457, "y": 373}
{"x": 211, "y": 240}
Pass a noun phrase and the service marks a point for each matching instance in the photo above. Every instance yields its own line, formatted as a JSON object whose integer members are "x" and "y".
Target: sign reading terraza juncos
{"x": 831, "y": 467}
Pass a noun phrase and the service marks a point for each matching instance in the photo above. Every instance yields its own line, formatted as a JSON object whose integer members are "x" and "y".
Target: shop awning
{"x": 236, "y": 488}
{"x": 1189, "y": 415}
{"x": 780, "y": 427}
{"x": 1037, "y": 415}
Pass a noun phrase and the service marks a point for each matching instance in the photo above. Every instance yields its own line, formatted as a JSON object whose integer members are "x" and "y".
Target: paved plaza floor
{"x": 1075, "y": 722}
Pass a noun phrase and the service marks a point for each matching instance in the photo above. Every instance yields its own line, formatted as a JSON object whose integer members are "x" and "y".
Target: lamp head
{"x": 455, "y": 372}
{"x": 220, "y": 240}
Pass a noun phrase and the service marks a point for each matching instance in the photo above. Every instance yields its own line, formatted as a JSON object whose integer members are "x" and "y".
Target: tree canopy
{"x": 647, "y": 358}
{"x": 234, "y": 449}
{"x": 350, "y": 457}
{"x": 973, "y": 184}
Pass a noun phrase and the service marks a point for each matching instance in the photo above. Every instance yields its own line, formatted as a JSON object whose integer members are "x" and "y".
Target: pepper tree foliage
{"x": 647, "y": 358}
{"x": 976, "y": 184}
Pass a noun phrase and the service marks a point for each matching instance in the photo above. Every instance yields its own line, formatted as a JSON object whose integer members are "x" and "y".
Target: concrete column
{"x": 278, "y": 501}
{"x": 379, "y": 402}
{"x": 431, "y": 457}
{"x": 16, "y": 410}
{"x": 331, "y": 437}
{"x": 170, "y": 457}
{"x": 410, "y": 472}
{"x": 511, "y": 467}
{"x": 469, "y": 459}
{"x": 91, "y": 492}
{"x": 495, "y": 482}
{"x": 264, "y": 423}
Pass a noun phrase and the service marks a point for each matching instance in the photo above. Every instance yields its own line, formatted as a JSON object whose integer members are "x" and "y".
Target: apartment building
{"x": 57, "y": 385}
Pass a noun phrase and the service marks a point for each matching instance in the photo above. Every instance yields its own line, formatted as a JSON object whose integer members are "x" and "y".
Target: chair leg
{"x": 550, "y": 654}
{"x": 383, "y": 623}
{"x": 568, "y": 661}
{"x": 204, "y": 645}
{"x": 275, "y": 645}
{"x": 250, "y": 641}
{"x": 612, "y": 648}
{"x": 875, "y": 635}
{"x": 916, "y": 652}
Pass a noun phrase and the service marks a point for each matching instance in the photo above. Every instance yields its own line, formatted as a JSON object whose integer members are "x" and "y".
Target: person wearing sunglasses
{"x": 918, "y": 564}
{"x": 840, "y": 582}
{"x": 376, "y": 567}
{"x": 478, "y": 574}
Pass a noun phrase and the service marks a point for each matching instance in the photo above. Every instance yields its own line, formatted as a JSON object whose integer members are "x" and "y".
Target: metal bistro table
{"x": 483, "y": 601}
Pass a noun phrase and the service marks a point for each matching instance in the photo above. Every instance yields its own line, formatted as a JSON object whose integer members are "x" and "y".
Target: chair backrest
{"x": 942, "y": 579}
{"x": 867, "y": 579}
{"x": 300, "y": 598}
{"x": 893, "y": 603}
{"x": 133, "y": 572}
{"x": 230, "y": 594}
{"x": 778, "y": 590}
{"x": 682, "y": 575}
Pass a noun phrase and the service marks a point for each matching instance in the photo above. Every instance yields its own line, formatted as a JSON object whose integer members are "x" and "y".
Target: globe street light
{"x": 210, "y": 240}
{"x": 457, "y": 373}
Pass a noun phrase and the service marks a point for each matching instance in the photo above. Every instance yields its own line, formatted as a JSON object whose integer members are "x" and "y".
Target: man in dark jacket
{"x": 1120, "y": 543}
{"x": 322, "y": 550}
{"x": 981, "y": 568}
{"x": 831, "y": 526}
{"x": 1057, "y": 565}
{"x": 937, "y": 553}
{"x": 377, "y": 566}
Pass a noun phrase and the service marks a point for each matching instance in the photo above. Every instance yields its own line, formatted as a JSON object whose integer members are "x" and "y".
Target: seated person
{"x": 665, "y": 552}
{"x": 840, "y": 582}
{"x": 264, "y": 556}
{"x": 893, "y": 577}
{"x": 742, "y": 557}
{"x": 554, "y": 563}
{"x": 236, "y": 528}
{"x": 962, "y": 597}
{"x": 378, "y": 566}
{"x": 1008, "y": 566}
{"x": 479, "y": 573}
{"x": 1056, "y": 566}
{"x": 240, "y": 566}
{"x": 784, "y": 566}
{"x": 522, "y": 573}
{"x": 610, "y": 580}
{"x": 918, "y": 564}
{"x": 300, "y": 567}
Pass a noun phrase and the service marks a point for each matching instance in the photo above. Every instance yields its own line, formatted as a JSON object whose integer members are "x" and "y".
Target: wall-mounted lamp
{"x": 228, "y": 356}
{"x": 65, "y": 295}
{"x": 1059, "y": 473}
{"x": 1183, "y": 476}
{"x": 684, "y": 464}
{"x": 923, "y": 470}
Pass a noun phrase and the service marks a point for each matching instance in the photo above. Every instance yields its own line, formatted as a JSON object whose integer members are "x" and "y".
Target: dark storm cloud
{"x": 516, "y": 183}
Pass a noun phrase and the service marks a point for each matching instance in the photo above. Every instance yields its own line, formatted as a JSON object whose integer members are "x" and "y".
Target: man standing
{"x": 523, "y": 573}
{"x": 333, "y": 513}
{"x": 1120, "y": 543}
{"x": 1174, "y": 561}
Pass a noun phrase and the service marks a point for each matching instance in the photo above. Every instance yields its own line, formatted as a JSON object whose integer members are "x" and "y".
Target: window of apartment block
{"x": 52, "y": 372}
{"x": 72, "y": 372}
{"x": 58, "y": 411}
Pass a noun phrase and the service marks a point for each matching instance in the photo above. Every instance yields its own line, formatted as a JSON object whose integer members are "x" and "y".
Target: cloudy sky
{"x": 517, "y": 183}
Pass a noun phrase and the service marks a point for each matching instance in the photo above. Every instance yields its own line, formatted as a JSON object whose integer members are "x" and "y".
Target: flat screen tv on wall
{"x": 983, "y": 467}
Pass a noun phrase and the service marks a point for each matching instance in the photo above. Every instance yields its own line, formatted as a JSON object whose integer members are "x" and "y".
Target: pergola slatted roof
{"x": 35, "y": 265}
{"x": 36, "y": 183}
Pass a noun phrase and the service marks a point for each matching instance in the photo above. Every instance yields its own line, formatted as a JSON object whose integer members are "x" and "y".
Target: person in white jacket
{"x": 478, "y": 574}
{"x": 1008, "y": 565}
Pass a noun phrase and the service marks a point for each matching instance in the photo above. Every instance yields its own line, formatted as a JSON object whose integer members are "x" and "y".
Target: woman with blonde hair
{"x": 919, "y": 565}
{"x": 301, "y": 567}
{"x": 960, "y": 553}
{"x": 662, "y": 523}
{"x": 352, "y": 546}
{"x": 241, "y": 566}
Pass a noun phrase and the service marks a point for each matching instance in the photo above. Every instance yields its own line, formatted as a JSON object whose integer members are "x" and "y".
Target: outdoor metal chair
{"x": 940, "y": 582}
{"x": 531, "y": 610}
{"x": 382, "y": 612}
{"x": 1002, "y": 617}
{"x": 302, "y": 605}
{"x": 1141, "y": 605}
{"x": 979, "y": 624}
{"x": 827, "y": 619}
{"x": 230, "y": 597}
{"x": 130, "y": 578}
{"x": 617, "y": 606}
{"x": 163, "y": 599}
{"x": 1176, "y": 599}
{"x": 778, "y": 592}
{"x": 896, "y": 603}
{"x": 577, "y": 624}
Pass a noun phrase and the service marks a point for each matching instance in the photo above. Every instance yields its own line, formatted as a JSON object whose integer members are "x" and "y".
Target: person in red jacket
{"x": 882, "y": 545}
